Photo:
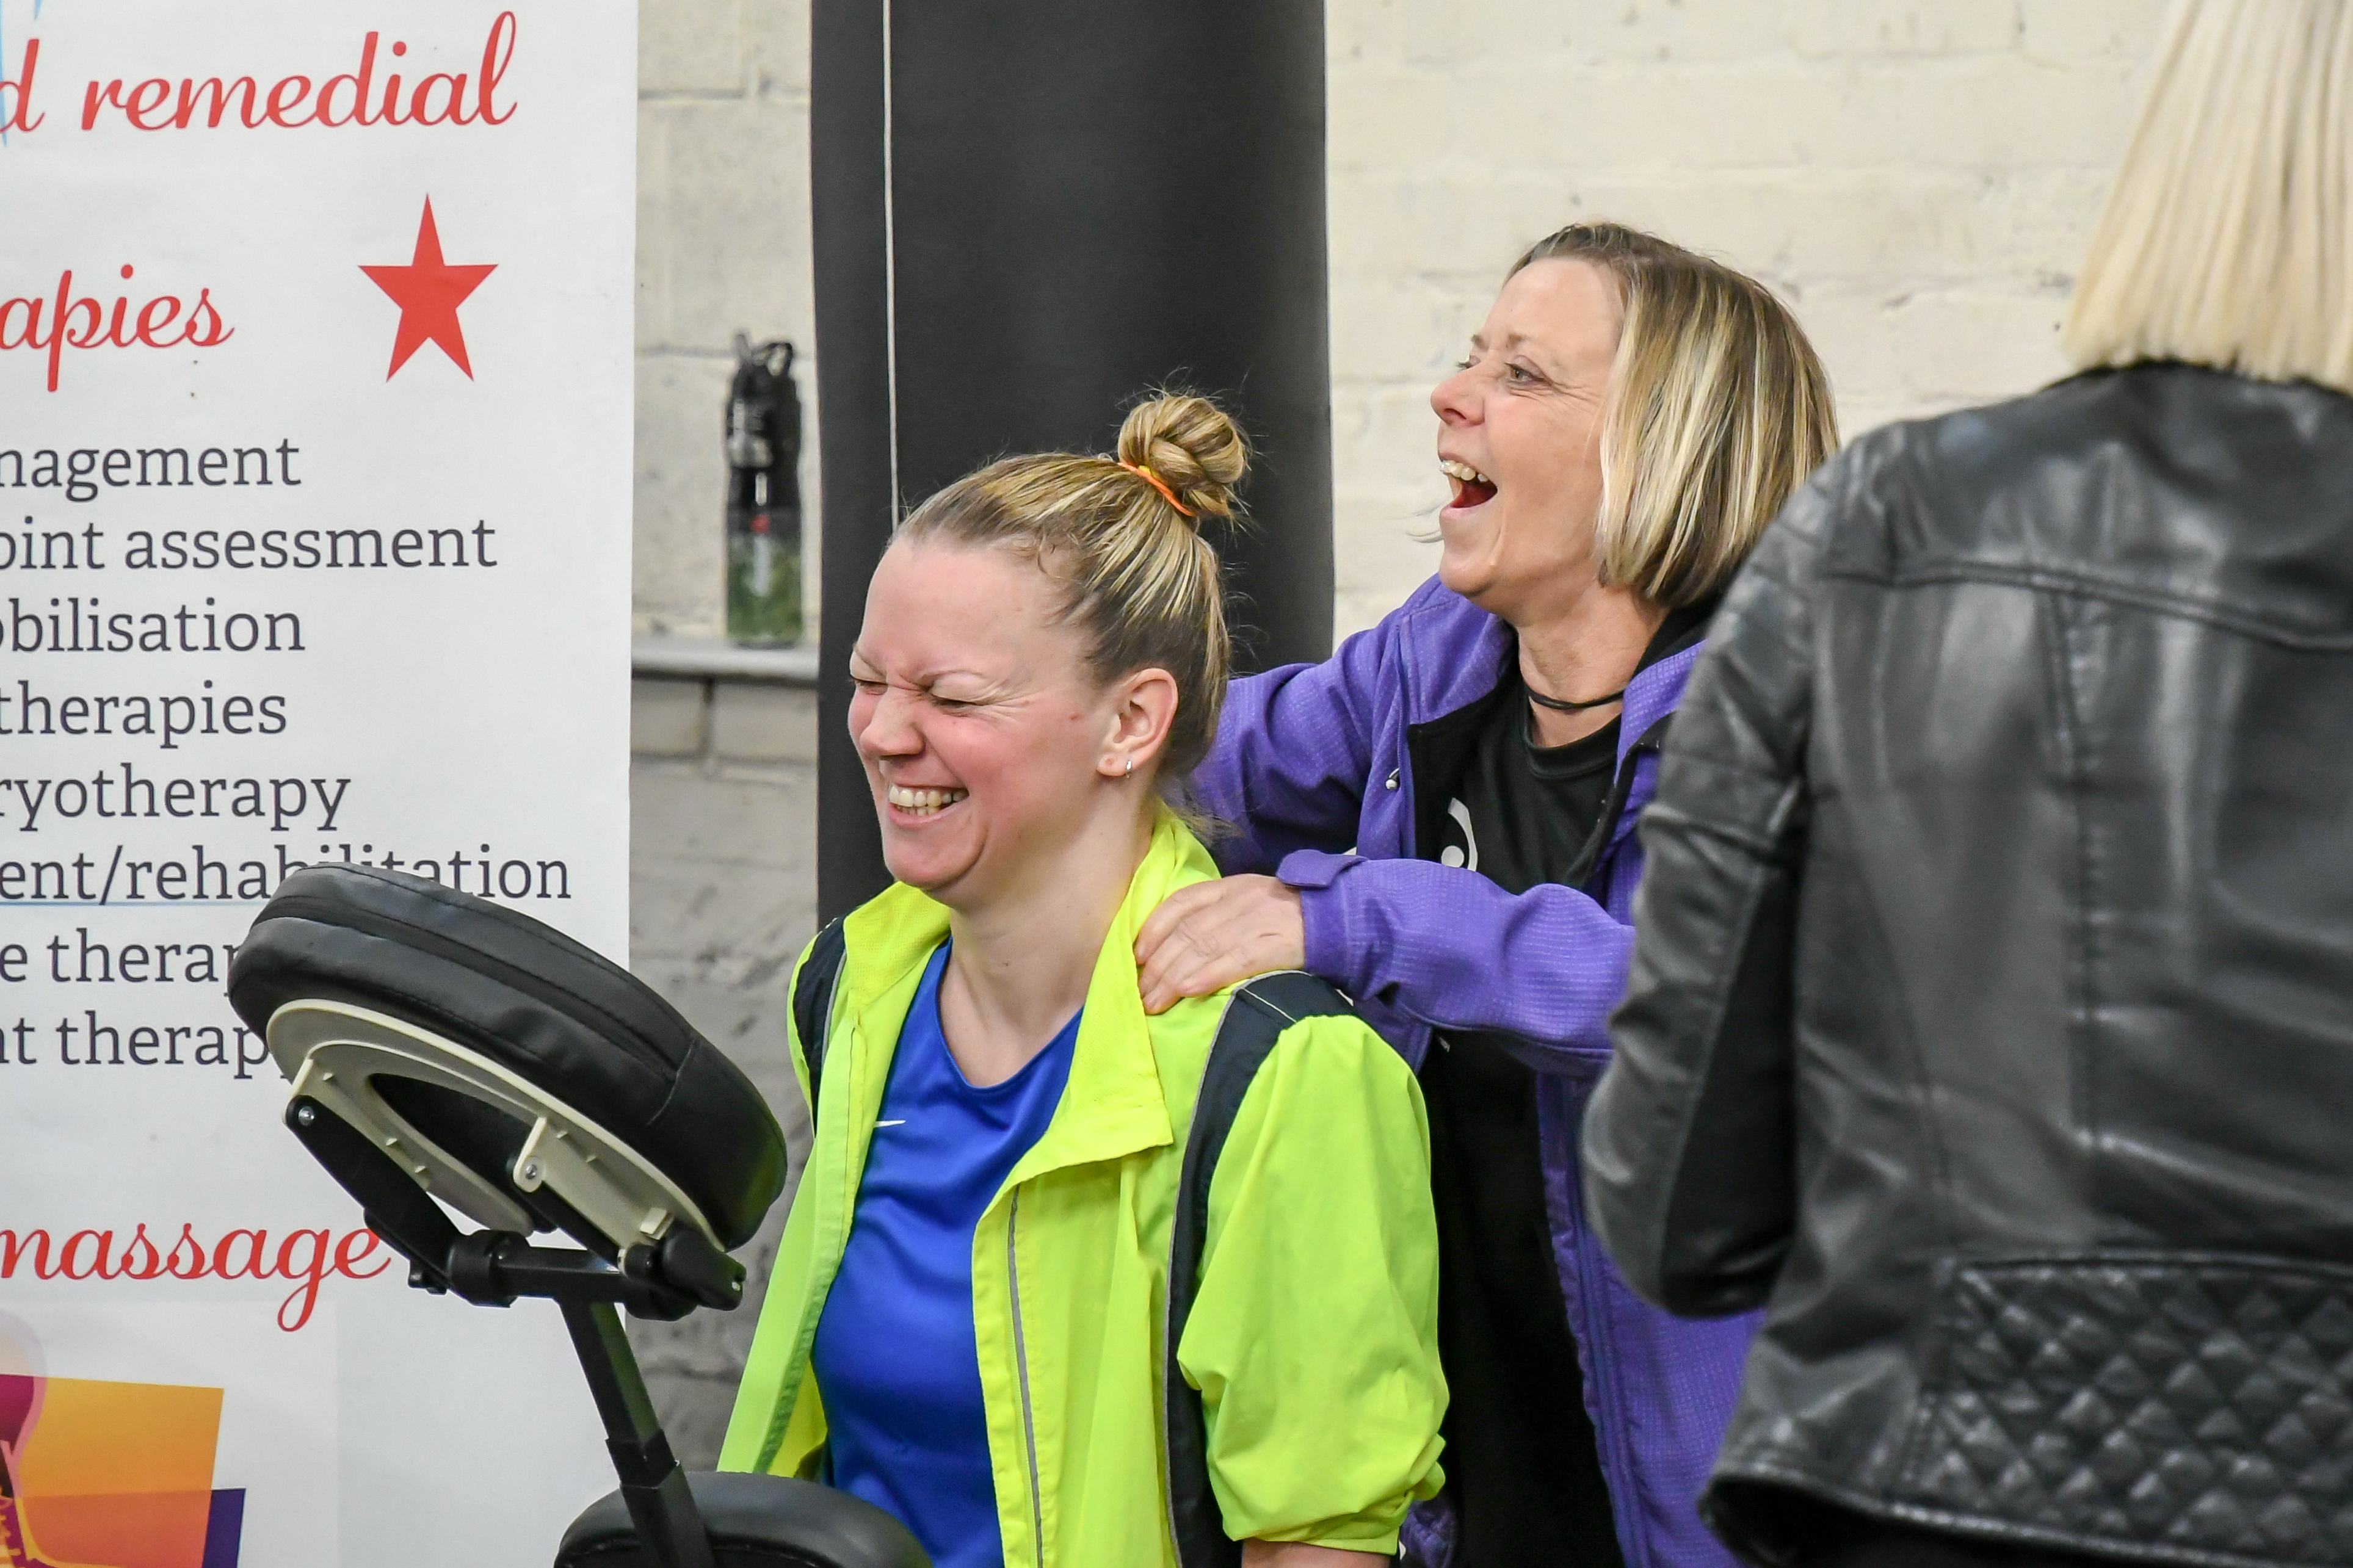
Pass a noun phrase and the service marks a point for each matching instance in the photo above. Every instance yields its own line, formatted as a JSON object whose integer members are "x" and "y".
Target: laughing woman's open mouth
{"x": 1471, "y": 487}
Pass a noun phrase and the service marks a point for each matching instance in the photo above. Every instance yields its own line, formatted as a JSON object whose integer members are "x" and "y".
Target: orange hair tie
{"x": 1157, "y": 483}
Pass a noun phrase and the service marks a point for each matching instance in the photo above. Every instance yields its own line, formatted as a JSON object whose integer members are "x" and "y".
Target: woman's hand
{"x": 1208, "y": 936}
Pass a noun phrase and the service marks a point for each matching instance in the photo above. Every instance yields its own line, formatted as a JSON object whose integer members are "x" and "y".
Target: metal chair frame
{"x": 654, "y": 1253}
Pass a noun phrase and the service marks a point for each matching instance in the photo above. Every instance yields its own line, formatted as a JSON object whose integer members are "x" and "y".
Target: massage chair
{"x": 451, "y": 1061}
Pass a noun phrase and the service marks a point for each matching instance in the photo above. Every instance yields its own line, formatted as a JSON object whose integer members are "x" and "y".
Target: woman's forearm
{"x": 1446, "y": 946}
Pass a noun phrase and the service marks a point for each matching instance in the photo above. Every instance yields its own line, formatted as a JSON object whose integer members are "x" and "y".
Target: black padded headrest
{"x": 579, "y": 1027}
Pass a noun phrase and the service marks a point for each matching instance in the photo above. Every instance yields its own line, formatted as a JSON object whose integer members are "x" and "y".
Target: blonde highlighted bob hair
{"x": 1717, "y": 411}
{"x": 2228, "y": 235}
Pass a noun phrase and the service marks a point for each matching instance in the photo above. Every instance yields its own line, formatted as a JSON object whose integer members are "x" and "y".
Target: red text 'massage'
{"x": 303, "y": 1258}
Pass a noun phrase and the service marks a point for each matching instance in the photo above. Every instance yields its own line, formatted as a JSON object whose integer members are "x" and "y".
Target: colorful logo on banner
{"x": 111, "y": 1475}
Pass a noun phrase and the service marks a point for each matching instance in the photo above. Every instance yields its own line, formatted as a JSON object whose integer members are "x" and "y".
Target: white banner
{"x": 315, "y": 327}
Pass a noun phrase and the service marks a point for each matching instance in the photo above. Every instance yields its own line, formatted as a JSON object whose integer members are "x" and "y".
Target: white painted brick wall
{"x": 1917, "y": 178}
{"x": 724, "y": 807}
{"x": 722, "y": 247}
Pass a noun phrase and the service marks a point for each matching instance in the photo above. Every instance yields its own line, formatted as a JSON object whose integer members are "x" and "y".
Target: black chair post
{"x": 653, "y": 1484}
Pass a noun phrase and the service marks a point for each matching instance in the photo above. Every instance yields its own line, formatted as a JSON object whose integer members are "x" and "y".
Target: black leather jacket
{"x": 1991, "y": 1013}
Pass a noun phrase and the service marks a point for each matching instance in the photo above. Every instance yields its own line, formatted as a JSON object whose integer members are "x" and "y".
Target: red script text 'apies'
{"x": 72, "y": 321}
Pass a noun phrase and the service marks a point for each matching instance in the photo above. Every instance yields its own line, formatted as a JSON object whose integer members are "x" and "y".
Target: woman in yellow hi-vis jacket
{"x": 1065, "y": 1285}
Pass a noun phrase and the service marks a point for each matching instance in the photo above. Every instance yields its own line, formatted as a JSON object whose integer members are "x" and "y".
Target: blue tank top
{"x": 895, "y": 1358}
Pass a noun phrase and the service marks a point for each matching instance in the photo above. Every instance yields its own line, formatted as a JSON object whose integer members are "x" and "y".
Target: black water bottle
{"x": 763, "y": 497}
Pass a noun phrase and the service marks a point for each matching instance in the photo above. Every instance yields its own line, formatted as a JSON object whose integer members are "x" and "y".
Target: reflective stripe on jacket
{"x": 1313, "y": 1336}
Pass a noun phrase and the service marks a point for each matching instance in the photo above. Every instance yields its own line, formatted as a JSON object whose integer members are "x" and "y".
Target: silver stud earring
{"x": 1131, "y": 768}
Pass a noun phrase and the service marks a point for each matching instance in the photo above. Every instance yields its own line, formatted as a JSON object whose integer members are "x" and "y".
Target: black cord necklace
{"x": 1562, "y": 704}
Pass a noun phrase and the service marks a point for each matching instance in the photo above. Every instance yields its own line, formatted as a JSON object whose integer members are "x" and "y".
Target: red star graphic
{"x": 429, "y": 293}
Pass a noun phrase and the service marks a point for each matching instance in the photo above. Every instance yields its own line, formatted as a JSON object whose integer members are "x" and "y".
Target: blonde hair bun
{"x": 1190, "y": 444}
{"x": 1139, "y": 578}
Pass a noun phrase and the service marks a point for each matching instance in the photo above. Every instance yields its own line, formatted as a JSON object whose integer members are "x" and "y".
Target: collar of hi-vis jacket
{"x": 1113, "y": 1104}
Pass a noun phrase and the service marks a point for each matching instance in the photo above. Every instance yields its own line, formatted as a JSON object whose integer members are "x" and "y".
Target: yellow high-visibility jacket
{"x": 1313, "y": 1336}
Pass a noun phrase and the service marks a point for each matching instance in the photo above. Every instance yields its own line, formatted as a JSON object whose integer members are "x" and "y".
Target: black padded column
{"x": 1047, "y": 206}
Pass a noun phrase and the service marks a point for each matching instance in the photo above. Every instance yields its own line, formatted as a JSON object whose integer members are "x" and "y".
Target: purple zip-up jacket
{"x": 1311, "y": 765}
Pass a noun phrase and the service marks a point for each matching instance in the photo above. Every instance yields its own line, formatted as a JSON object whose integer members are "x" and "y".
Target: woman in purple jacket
{"x": 1440, "y": 820}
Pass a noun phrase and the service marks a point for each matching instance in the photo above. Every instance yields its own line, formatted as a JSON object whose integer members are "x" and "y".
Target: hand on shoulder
{"x": 1211, "y": 935}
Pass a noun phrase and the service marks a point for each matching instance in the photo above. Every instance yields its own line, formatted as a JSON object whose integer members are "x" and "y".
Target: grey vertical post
{"x": 1045, "y": 206}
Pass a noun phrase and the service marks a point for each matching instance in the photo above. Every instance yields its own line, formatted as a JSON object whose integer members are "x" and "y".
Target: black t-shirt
{"x": 1520, "y": 1458}
{"x": 1529, "y": 809}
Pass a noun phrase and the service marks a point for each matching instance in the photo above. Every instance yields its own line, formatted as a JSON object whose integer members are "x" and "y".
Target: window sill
{"x": 665, "y": 656}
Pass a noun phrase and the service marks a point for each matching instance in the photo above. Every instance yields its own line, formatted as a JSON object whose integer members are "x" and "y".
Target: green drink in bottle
{"x": 763, "y": 497}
